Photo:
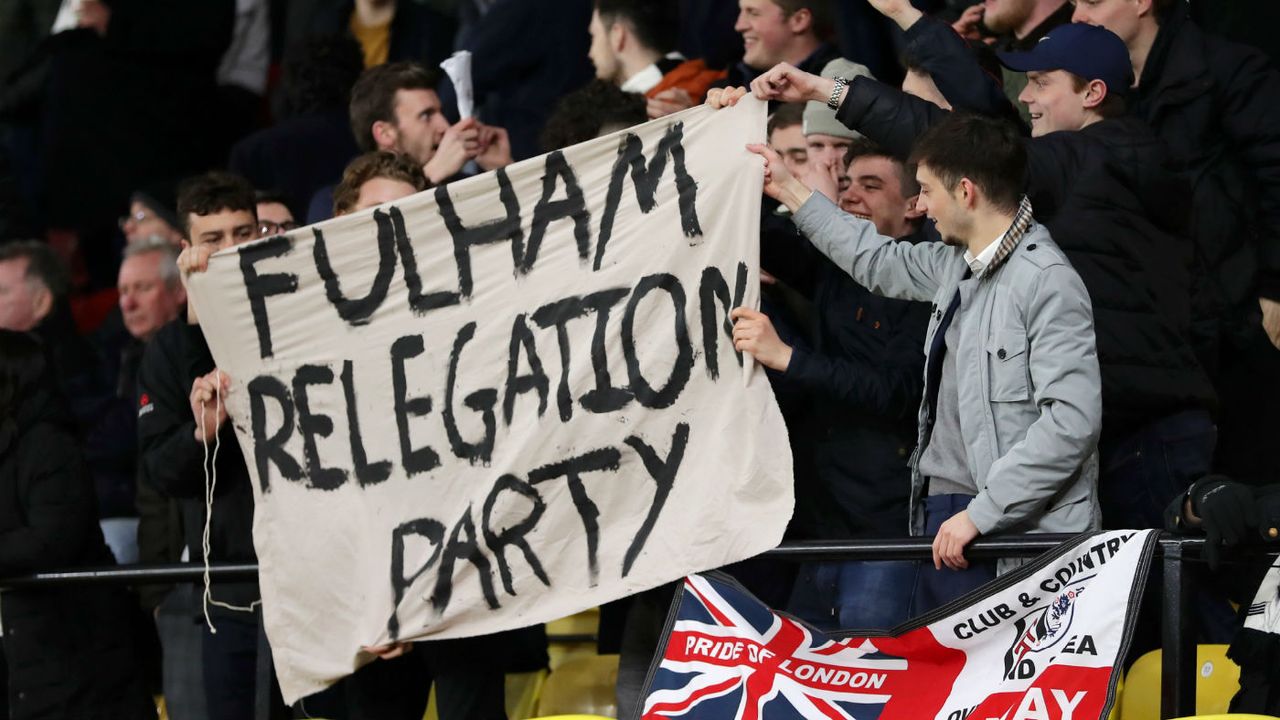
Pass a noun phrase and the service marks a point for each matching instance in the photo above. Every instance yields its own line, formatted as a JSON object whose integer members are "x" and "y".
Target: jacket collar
{"x": 1017, "y": 230}
{"x": 1175, "y": 70}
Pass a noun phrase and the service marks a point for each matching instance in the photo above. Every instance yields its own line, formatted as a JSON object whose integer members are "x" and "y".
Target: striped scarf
{"x": 1021, "y": 221}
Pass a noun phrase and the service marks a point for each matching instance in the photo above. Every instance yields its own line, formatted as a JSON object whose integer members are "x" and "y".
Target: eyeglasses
{"x": 136, "y": 218}
{"x": 267, "y": 228}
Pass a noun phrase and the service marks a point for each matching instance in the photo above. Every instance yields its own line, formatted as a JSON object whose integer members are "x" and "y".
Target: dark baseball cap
{"x": 1090, "y": 51}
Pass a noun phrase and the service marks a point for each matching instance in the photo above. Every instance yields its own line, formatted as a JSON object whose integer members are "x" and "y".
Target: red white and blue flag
{"x": 1041, "y": 642}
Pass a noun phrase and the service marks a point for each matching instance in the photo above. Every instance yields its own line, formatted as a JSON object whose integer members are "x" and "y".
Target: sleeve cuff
{"x": 984, "y": 514}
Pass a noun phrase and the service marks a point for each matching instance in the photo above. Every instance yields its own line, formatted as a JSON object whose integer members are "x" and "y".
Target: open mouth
{"x": 860, "y": 216}
{"x": 1036, "y": 116}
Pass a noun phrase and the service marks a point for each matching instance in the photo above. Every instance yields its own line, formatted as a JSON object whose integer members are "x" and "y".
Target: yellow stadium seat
{"x": 523, "y": 691}
{"x": 581, "y": 684}
{"x": 1217, "y": 679}
{"x": 1230, "y": 716}
{"x": 1115, "y": 709}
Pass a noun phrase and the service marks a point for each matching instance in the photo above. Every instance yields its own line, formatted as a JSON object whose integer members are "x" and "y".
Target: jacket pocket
{"x": 1007, "y": 358}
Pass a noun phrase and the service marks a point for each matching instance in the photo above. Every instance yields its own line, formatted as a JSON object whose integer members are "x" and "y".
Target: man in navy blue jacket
{"x": 862, "y": 381}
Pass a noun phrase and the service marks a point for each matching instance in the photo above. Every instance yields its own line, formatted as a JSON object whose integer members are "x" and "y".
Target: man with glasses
{"x": 151, "y": 214}
{"x": 274, "y": 217}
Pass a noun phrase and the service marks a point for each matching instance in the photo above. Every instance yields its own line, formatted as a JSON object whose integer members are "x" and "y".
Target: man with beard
{"x": 1017, "y": 25}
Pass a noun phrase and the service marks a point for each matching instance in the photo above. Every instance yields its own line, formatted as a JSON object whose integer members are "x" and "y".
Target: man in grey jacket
{"x": 1009, "y": 422}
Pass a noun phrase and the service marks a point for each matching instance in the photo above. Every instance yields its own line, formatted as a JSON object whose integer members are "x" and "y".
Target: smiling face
{"x": 1054, "y": 102}
{"x": 942, "y": 205}
{"x": 767, "y": 33}
{"x": 875, "y": 193}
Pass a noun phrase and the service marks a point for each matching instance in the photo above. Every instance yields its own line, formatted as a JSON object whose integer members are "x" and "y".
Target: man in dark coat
{"x": 179, "y": 416}
{"x": 526, "y": 55}
{"x": 862, "y": 382}
{"x": 1214, "y": 104}
{"x": 68, "y": 651}
{"x": 308, "y": 148}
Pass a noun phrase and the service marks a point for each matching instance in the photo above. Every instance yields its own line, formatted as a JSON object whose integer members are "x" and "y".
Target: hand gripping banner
{"x": 1040, "y": 643}
{"x": 504, "y": 400}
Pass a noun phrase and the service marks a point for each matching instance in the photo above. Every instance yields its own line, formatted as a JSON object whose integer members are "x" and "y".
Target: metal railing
{"x": 1178, "y": 557}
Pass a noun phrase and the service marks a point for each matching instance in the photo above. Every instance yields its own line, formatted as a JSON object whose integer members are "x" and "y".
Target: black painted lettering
{"x": 712, "y": 288}
{"x": 427, "y": 528}
{"x": 311, "y": 424}
{"x": 358, "y": 311}
{"x": 415, "y": 460}
{"x": 573, "y": 206}
{"x": 260, "y": 287}
{"x": 683, "y": 365}
{"x": 536, "y": 379}
{"x": 513, "y": 535}
{"x": 463, "y": 546}
{"x": 572, "y": 471}
{"x": 481, "y": 401}
{"x": 663, "y": 473}
{"x": 269, "y": 449}
{"x": 367, "y": 473}
{"x": 419, "y": 302}
{"x": 464, "y": 238}
{"x": 604, "y": 397}
{"x": 645, "y": 179}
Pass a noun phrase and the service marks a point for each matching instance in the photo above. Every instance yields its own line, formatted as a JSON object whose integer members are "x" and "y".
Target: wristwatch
{"x": 833, "y": 102}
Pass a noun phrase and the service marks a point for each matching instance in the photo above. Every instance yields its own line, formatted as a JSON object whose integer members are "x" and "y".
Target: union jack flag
{"x": 729, "y": 656}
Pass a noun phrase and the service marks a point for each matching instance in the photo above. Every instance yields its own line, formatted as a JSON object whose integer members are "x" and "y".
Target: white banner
{"x": 503, "y": 401}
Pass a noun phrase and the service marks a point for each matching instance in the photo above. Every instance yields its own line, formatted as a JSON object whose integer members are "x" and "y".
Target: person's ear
{"x": 384, "y": 135}
{"x": 617, "y": 37}
{"x": 41, "y": 302}
{"x": 1094, "y": 93}
{"x": 800, "y": 21}
{"x": 184, "y": 243}
{"x": 913, "y": 208}
{"x": 1144, "y": 7}
{"x": 968, "y": 194}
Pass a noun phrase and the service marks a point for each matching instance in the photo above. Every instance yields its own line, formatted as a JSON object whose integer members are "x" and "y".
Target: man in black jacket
{"x": 181, "y": 422}
{"x": 1213, "y": 103}
{"x": 862, "y": 382}
{"x": 68, "y": 651}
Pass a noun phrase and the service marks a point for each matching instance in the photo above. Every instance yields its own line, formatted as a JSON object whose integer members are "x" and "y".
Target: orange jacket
{"x": 692, "y": 76}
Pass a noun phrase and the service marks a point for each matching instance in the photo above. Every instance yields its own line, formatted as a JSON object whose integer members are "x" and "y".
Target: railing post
{"x": 1178, "y": 660}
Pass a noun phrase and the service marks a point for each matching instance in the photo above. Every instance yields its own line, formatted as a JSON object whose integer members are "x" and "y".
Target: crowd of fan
{"x": 1150, "y": 151}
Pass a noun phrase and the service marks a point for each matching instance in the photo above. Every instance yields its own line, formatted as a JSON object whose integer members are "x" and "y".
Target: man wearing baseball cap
{"x": 1098, "y": 180}
{"x": 1076, "y": 76}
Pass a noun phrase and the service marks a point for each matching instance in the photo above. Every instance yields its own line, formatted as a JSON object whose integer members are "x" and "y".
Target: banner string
{"x": 210, "y": 483}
